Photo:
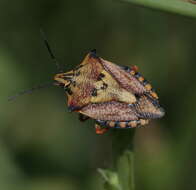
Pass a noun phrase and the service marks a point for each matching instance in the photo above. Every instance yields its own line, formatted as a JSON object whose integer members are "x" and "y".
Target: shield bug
{"x": 114, "y": 96}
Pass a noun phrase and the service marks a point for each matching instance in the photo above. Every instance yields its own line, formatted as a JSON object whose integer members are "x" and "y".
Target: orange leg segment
{"x": 100, "y": 130}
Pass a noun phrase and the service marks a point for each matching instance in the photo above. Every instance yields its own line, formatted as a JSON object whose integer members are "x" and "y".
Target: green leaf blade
{"x": 181, "y": 7}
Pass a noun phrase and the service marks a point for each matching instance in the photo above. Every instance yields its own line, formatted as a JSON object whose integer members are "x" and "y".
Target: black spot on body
{"x": 137, "y": 96}
{"x": 94, "y": 92}
{"x": 101, "y": 75}
{"x": 104, "y": 86}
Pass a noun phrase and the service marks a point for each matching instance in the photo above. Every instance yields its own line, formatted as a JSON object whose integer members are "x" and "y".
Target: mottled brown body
{"x": 114, "y": 96}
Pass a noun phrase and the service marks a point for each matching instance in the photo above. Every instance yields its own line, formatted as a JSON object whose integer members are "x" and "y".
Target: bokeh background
{"x": 42, "y": 145}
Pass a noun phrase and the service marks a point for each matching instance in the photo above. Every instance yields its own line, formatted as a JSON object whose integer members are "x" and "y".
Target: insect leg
{"x": 83, "y": 117}
{"x": 100, "y": 130}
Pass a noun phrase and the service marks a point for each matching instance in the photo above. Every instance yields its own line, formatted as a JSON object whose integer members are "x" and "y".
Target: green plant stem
{"x": 182, "y": 7}
{"x": 123, "y": 155}
{"x": 121, "y": 175}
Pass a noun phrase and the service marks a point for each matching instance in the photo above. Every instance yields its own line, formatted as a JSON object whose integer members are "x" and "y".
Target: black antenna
{"x": 50, "y": 50}
{"x": 29, "y": 91}
{"x": 41, "y": 86}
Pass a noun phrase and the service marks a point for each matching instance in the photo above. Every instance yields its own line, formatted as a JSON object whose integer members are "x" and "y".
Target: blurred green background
{"x": 44, "y": 147}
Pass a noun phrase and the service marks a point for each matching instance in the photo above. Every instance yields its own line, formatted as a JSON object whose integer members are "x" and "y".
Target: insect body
{"x": 114, "y": 96}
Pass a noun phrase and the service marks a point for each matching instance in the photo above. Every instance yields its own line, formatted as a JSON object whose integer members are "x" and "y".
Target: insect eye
{"x": 69, "y": 91}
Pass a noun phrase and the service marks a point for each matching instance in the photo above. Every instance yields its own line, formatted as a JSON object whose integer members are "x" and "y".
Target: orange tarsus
{"x": 135, "y": 68}
{"x": 99, "y": 130}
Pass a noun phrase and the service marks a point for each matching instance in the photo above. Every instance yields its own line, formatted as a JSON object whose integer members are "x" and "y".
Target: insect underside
{"x": 114, "y": 96}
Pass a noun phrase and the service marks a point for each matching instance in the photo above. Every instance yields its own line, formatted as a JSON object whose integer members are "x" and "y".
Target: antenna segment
{"x": 29, "y": 91}
{"x": 50, "y": 50}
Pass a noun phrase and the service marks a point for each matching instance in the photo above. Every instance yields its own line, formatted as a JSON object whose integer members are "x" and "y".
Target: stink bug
{"x": 114, "y": 96}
